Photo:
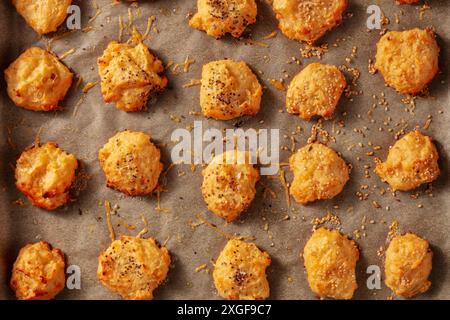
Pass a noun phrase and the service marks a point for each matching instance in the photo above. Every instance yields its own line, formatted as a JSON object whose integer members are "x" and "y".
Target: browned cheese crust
{"x": 43, "y": 16}
{"x": 45, "y": 174}
{"x": 240, "y": 272}
{"x": 308, "y": 20}
{"x": 37, "y": 80}
{"x": 315, "y": 91}
{"x": 131, "y": 163}
{"x": 229, "y": 186}
{"x": 407, "y": 265}
{"x": 229, "y": 90}
{"x": 39, "y": 272}
{"x": 133, "y": 267}
{"x": 411, "y": 161}
{"x": 218, "y": 17}
{"x": 319, "y": 173}
{"x": 330, "y": 261}
{"x": 130, "y": 74}
{"x": 408, "y": 60}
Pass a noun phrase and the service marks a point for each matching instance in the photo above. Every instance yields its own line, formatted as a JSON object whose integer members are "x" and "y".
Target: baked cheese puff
{"x": 407, "y": 265}
{"x": 240, "y": 272}
{"x": 131, "y": 163}
{"x": 330, "y": 261}
{"x": 43, "y": 16}
{"x": 37, "y": 80}
{"x": 408, "y": 60}
{"x": 45, "y": 174}
{"x": 133, "y": 267}
{"x": 38, "y": 272}
{"x": 218, "y": 17}
{"x": 315, "y": 91}
{"x": 411, "y": 161}
{"x": 229, "y": 184}
{"x": 130, "y": 74}
{"x": 319, "y": 173}
{"x": 229, "y": 90}
{"x": 308, "y": 20}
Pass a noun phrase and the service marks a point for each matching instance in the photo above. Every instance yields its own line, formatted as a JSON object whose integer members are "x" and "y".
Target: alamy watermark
{"x": 199, "y": 146}
{"x": 73, "y": 280}
{"x": 73, "y": 21}
{"x": 374, "y": 279}
{"x": 373, "y": 21}
{"x": 375, "y": 16}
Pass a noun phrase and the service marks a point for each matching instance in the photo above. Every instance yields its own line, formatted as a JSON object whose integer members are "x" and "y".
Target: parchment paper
{"x": 80, "y": 230}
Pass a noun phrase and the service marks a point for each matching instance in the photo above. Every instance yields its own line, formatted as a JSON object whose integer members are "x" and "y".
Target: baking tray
{"x": 80, "y": 230}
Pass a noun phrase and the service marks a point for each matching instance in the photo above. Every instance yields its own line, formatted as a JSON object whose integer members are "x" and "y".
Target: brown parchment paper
{"x": 80, "y": 230}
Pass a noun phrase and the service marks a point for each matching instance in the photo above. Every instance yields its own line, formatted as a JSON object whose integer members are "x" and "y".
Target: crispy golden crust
{"x": 37, "y": 80}
{"x": 308, "y": 20}
{"x": 133, "y": 267}
{"x": 218, "y": 17}
{"x": 240, "y": 272}
{"x": 408, "y": 60}
{"x": 229, "y": 90}
{"x": 45, "y": 174}
{"x": 130, "y": 74}
{"x": 43, "y": 16}
{"x": 319, "y": 173}
{"x": 131, "y": 163}
{"x": 39, "y": 272}
{"x": 407, "y": 265}
{"x": 330, "y": 262}
{"x": 412, "y": 161}
{"x": 229, "y": 184}
{"x": 315, "y": 91}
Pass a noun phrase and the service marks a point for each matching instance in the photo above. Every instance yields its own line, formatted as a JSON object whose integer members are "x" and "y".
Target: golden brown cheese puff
{"x": 330, "y": 262}
{"x": 240, "y": 272}
{"x": 412, "y": 161}
{"x": 229, "y": 184}
{"x": 408, "y": 60}
{"x": 315, "y": 91}
{"x": 37, "y": 80}
{"x": 45, "y": 174}
{"x": 308, "y": 20}
{"x": 130, "y": 74}
{"x": 408, "y": 265}
{"x": 229, "y": 90}
{"x": 319, "y": 173}
{"x": 43, "y": 16}
{"x": 39, "y": 272}
{"x": 133, "y": 267}
{"x": 218, "y": 17}
{"x": 131, "y": 163}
